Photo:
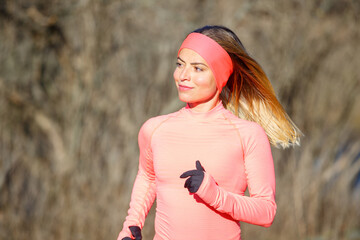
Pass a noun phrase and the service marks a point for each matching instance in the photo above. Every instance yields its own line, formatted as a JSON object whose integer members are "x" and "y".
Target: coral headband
{"x": 215, "y": 56}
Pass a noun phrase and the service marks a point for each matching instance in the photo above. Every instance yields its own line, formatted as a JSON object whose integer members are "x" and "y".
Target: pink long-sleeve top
{"x": 235, "y": 154}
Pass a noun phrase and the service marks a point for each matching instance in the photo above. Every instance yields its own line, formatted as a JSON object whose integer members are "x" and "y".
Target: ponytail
{"x": 249, "y": 93}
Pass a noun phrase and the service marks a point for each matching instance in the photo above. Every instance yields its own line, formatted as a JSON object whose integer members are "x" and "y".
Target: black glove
{"x": 196, "y": 177}
{"x": 136, "y": 232}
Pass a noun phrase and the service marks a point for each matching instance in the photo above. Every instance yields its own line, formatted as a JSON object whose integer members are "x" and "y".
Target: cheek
{"x": 176, "y": 74}
{"x": 207, "y": 82}
{"x": 203, "y": 82}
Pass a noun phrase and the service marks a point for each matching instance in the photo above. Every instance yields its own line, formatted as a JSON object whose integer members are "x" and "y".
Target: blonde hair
{"x": 249, "y": 93}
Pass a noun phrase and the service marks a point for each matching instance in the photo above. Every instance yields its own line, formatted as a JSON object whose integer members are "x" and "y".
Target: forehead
{"x": 191, "y": 56}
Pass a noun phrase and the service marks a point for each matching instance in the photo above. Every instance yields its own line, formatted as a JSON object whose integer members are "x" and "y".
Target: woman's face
{"x": 194, "y": 79}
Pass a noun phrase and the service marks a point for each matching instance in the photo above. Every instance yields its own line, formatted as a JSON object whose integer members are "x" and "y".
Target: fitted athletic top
{"x": 235, "y": 154}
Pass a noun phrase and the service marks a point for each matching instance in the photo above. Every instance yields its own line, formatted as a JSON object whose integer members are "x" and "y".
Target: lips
{"x": 184, "y": 88}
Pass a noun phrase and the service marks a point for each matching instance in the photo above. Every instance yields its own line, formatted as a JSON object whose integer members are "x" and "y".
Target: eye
{"x": 178, "y": 64}
{"x": 198, "y": 69}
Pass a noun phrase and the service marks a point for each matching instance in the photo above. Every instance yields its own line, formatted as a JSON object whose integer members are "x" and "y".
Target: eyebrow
{"x": 194, "y": 63}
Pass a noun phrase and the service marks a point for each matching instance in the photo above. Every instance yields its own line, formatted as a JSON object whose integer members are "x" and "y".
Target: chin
{"x": 188, "y": 98}
{"x": 184, "y": 99}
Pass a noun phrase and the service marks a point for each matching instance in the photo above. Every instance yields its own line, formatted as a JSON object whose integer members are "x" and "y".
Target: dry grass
{"x": 78, "y": 78}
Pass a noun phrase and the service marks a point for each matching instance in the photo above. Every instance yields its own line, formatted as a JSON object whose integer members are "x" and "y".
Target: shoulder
{"x": 151, "y": 124}
{"x": 245, "y": 126}
{"x": 249, "y": 131}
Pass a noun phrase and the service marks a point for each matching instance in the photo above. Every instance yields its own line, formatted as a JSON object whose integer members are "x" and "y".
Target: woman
{"x": 213, "y": 74}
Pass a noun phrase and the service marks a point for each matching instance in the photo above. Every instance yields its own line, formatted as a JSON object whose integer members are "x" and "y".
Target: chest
{"x": 176, "y": 147}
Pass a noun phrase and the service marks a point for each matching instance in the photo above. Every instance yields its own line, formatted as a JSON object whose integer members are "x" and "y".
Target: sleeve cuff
{"x": 208, "y": 189}
{"x": 123, "y": 234}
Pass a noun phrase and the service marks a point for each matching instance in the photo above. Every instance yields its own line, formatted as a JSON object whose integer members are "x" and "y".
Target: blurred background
{"x": 79, "y": 78}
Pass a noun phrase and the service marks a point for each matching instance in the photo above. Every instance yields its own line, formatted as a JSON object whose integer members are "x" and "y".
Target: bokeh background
{"x": 79, "y": 78}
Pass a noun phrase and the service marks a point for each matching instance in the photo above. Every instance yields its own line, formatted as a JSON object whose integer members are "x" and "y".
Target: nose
{"x": 184, "y": 74}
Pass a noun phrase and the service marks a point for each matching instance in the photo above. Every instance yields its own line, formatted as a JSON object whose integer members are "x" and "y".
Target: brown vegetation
{"x": 78, "y": 78}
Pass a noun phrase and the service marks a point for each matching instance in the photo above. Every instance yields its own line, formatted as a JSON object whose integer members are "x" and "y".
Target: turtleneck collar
{"x": 215, "y": 111}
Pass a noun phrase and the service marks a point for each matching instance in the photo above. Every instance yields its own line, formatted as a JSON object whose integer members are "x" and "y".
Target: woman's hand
{"x": 136, "y": 232}
{"x": 195, "y": 179}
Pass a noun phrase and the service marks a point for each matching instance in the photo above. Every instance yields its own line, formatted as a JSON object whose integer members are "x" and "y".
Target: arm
{"x": 143, "y": 193}
{"x": 260, "y": 207}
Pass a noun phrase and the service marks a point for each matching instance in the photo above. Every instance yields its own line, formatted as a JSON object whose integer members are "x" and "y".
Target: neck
{"x": 205, "y": 106}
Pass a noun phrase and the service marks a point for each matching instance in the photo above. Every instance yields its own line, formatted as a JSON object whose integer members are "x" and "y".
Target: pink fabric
{"x": 235, "y": 154}
{"x": 216, "y": 57}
